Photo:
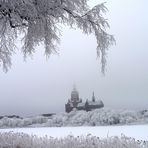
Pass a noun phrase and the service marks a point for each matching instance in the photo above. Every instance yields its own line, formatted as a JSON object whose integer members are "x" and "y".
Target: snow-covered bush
{"x": 17, "y": 122}
{"x": 80, "y": 118}
{"x": 96, "y": 118}
{"x": 21, "y": 140}
{"x": 38, "y": 120}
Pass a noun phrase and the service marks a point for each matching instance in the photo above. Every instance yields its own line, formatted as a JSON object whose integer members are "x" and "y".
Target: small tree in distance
{"x": 39, "y": 22}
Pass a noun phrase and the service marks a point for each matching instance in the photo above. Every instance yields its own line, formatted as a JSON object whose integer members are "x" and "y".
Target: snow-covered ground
{"x": 139, "y": 132}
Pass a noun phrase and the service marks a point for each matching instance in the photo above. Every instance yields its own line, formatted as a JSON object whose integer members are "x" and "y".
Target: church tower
{"x": 76, "y": 103}
{"x": 75, "y": 97}
{"x": 93, "y": 97}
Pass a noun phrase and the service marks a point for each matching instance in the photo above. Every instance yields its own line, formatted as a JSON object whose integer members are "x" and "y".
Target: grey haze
{"x": 42, "y": 86}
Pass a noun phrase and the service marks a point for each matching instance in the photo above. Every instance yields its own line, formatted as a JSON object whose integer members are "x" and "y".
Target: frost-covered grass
{"x": 21, "y": 140}
{"x": 80, "y": 118}
{"x": 139, "y": 132}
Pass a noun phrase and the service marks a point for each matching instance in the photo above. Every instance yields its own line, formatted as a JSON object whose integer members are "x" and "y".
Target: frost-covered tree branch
{"x": 39, "y": 21}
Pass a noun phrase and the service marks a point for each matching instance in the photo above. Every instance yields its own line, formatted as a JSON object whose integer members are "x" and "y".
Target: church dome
{"x": 74, "y": 94}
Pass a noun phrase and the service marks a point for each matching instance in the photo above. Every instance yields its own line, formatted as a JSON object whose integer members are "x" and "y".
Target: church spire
{"x": 93, "y": 97}
{"x": 74, "y": 87}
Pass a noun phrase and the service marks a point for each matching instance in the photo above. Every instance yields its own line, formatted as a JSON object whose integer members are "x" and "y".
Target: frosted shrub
{"x": 21, "y": 140}
{"x": 146, "y": 114}
{"x": 97, "y": 117}
{"x": 79, "y": 118}
{"x": 39, "y": 120}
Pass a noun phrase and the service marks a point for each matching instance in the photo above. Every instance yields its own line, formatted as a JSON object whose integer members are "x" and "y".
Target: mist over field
{"x": 73, "y": 73}
{"x": 43, "y": 86}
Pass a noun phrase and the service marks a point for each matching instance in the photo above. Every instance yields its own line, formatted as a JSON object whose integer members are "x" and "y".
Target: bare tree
{"x": 39, "y": 22}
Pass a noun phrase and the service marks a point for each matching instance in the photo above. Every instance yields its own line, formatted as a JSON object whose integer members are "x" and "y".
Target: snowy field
{"x": 102, "y": 128}
{"x": 139, "y": 132}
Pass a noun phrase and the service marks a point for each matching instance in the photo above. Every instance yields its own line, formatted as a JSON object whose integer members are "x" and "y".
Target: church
{"x": 77, "y": 103}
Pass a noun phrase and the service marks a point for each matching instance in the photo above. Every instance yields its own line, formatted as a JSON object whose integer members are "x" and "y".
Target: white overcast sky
{"x": 43, "y": 86}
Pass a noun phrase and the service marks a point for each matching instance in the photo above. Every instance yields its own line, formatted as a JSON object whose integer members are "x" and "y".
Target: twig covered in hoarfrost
{"x": 39, "y": 22}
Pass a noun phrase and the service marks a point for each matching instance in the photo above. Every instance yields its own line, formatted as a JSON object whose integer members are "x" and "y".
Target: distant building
{"x": 76, "y": 102}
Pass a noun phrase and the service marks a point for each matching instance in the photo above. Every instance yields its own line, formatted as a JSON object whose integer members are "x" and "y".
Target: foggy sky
{"x": 42, "y": 86}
